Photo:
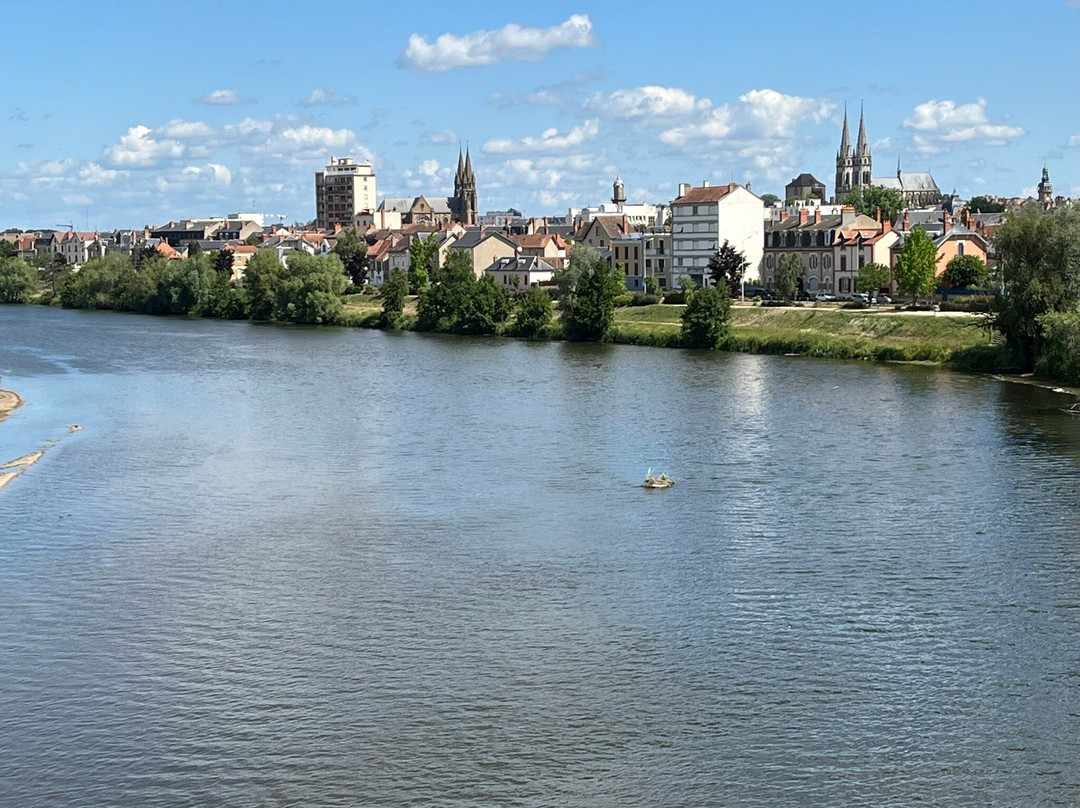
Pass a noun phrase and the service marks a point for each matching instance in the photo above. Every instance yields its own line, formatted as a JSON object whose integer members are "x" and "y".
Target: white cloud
{"x": 648, "y": 102}
{"x": 224, "y": 98}
{"x": 937, "y": 124}
{"x": 550, "y": 140}
{"x": 440, "y": 138}
{"x": 484, "y": 47}
{"x": 758, "y": 133}
{"x": 184, "y": 130}
{"x": 1074, "y": 141}
{"x": 93, "y": 174}
{"x": 328, "y": 97}
{"x": 211, "y": 173}
{"x": 758, "y": 114}
{"x": 140, "y": 149}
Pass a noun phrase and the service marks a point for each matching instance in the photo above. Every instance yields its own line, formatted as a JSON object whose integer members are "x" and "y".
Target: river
{"x": 292, "y": 566}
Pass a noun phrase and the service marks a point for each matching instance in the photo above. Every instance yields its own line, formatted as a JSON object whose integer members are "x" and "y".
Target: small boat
{"x": 657, "y": 481}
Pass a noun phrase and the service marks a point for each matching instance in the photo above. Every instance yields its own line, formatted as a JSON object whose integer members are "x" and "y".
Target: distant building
{"x": 702, "y": 219}
{"x": 434, "y": 210}
{"x": 342, "y": 191}
{"x": 1046, "y": 190}
{"x": 854, "y": 169}
{"x": 805, "y": 186}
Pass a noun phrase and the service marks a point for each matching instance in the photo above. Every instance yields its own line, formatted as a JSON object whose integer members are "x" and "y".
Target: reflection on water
{"x": 320, "y": 566}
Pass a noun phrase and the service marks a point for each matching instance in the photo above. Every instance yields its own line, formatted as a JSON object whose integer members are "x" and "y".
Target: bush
{"x": 624, "y": 300}
{"x": 533, "y": 314}
{"x": 974, "y": 303}
{"x": 706, "y": 318}
{"x": 1058, "y": 352}
{"x": 676, "y": 297}
{"x": 18, "y": 281}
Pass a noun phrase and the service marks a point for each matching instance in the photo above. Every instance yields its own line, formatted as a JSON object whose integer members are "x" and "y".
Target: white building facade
{"x": 703, "y": 218}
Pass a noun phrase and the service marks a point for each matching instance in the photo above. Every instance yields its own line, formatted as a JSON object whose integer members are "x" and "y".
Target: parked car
{"x": 825, "y": 298}
{"x": 861, "y": 297}
{"x": 882, "y": 299}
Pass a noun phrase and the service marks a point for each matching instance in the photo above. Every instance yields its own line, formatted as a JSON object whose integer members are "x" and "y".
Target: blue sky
{"x": 133, "y": 113}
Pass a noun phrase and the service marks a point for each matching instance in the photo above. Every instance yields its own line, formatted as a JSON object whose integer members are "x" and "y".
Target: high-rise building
{"x": 345, "y": 189}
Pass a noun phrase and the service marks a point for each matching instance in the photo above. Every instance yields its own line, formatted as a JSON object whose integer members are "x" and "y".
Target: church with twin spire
{"x": 855, "y": 169}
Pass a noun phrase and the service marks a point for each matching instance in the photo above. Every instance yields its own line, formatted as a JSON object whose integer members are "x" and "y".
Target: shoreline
{"x": 9, "y": 402}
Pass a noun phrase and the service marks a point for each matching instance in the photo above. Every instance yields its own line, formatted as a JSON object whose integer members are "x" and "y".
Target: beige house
{"x": 484, "y": 247}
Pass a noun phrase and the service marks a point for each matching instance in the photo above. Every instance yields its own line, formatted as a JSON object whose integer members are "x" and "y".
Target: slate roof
{"x": 396, "y": 204}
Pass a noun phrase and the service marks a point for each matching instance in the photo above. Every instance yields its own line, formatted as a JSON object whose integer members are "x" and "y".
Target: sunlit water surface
{"x": 331, "y": 567}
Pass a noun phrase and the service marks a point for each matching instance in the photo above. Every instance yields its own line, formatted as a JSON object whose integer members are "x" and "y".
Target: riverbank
{"x": 9, "y": 402}
{"x": 883, "y": 334}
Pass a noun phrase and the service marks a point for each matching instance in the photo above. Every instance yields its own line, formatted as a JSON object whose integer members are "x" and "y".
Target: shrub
{"x": 706, "y": 319}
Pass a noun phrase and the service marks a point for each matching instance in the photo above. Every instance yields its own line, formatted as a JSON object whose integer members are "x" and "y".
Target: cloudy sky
{"x": 131, "y": 113}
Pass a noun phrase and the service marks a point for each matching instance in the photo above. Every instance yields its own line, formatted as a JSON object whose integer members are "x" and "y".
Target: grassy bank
{"x": 882, "y": 335}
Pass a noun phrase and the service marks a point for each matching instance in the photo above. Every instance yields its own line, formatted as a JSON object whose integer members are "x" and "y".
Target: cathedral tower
{"x": 465, "y": 190}
{"x": 845, "y": 163}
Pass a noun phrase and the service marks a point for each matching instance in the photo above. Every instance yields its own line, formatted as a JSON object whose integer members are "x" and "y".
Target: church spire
{"x": 862, "y": 147}
{"x": 460, "y": 166}
{"x": 469, "y": 178}
{"x": 845, "y": 139}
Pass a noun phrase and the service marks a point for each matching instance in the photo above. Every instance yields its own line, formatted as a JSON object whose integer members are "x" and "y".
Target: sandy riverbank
{"x": 9, "y": 401}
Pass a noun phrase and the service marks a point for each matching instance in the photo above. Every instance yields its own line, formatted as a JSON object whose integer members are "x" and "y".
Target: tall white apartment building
{"x": 343, "y": 190}
{"x": 703, "y": 218}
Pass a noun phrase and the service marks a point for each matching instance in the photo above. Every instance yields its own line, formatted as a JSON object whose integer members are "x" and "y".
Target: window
{"x": 813, "y": 262}
{"x": 862, "y": 261}
{"x": 826, "y": 262}
{"x": 959, "y": 248}
{"x": 843, "y": 263}
{"x": 769, "y": 262}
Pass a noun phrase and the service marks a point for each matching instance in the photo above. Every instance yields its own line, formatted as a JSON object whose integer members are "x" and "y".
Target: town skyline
{"x": 553, "y": 103}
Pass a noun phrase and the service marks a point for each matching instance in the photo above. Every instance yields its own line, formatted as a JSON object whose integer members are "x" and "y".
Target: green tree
{"x": 534, "y": 312}
{"x": 261, "y": 276}
{"x": 194, "y": 248}
{"x": 186, "y": 286}
{"x": 223, "y": 262}
{"x": 101, "y": 283}
{"x": 423, "y": 252}
{"x": 652, "y": 285}
{"x": 54, "y": 272}
{"x": 872, "y": 278}
{"x": 1040, "y": 270}
{"x": 868, "y": 199}
{"x": 984, "y": 204}
{"x": 788, "y": 271}
{"x": 769, "y": 199}
{"x": 310, "y": 289}
{"x": 253, "y": 240}
{"x": 352, "y": 250}
{"x": 965, "y": 272}
{"x": 18, "y": 280}
{"x": 588, "y": 310}
{"x": 706, "y": 318}
{"x": 393, "y": 294}
{"x": 727, "y": 266}
{"x": 915, "y": 272}
{"x": 8, "y": 249}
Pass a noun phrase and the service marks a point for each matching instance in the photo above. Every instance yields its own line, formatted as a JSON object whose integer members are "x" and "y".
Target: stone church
{"x": 854, "y": 169}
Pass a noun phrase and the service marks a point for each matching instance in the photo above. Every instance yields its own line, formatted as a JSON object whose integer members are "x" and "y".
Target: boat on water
{"x": 657, "y": 481}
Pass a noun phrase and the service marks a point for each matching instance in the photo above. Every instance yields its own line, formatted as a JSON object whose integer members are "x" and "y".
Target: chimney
{"x": 906, "y": 227}
{"x": 946, "y": 222}
{"x": 877, "y": 216}
{"x": 684, "y": 188}
{"x": 804, "y": 216}
{"x": 749, "y": 188}
{"x": 886, "y": 226}
{"x": 704, "y": 183}
{"x": 817, "y": 214}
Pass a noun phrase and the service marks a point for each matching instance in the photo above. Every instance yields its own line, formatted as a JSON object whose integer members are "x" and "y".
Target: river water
{"x": 285, "y": 566}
